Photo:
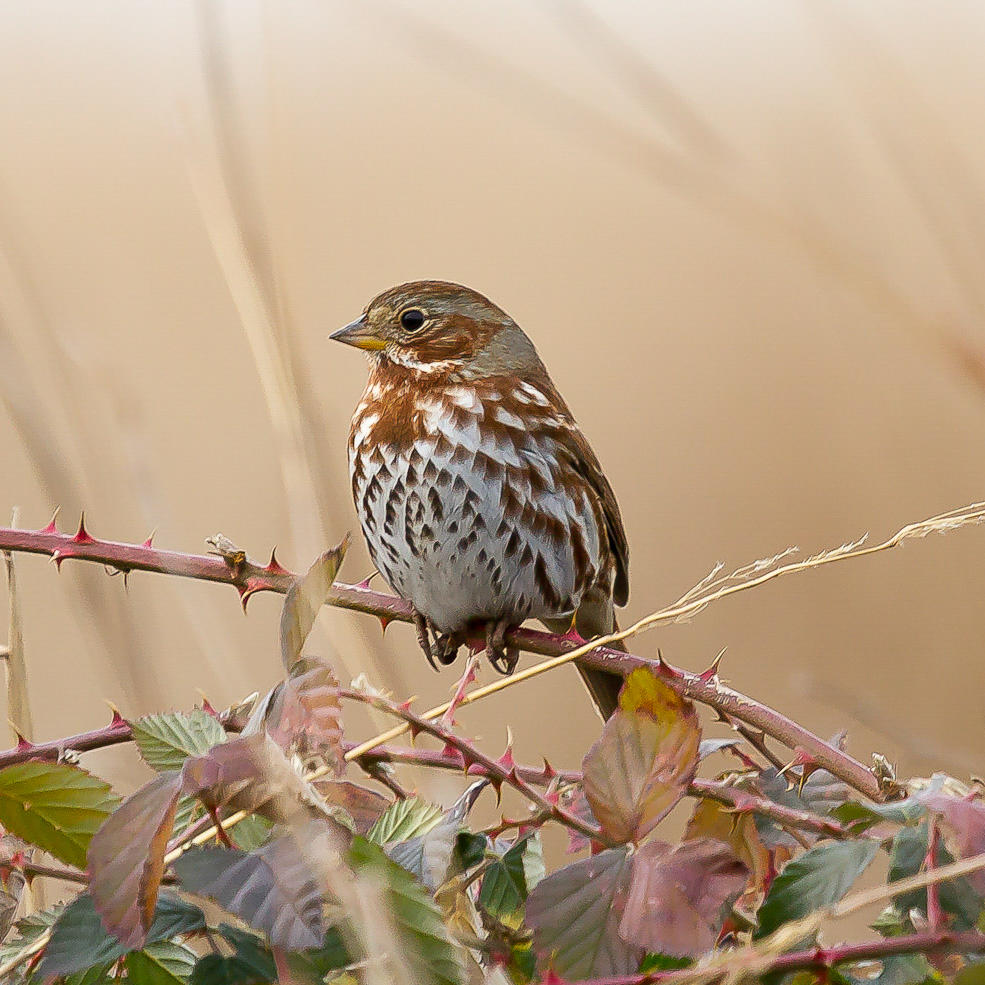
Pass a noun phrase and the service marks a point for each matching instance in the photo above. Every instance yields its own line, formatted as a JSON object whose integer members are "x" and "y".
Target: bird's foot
{"x": 502, "y": 657}
{"x": 445, "y": 647}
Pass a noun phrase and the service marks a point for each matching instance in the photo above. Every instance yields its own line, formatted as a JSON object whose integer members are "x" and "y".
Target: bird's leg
{"x": 421, "y": 625}
{"x": 503, "y": 658}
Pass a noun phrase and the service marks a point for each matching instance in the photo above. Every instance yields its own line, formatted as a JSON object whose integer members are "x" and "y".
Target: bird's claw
{"x": 421, "y": 625}
{"x": 502, "y": 657}
{"x": 446, "y": 647}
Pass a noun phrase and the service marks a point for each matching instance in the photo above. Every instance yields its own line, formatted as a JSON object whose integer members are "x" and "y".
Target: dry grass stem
{"x": 232, "y": 210}
{"x": 18, "y": 701}
{"x": 711, "y": 588}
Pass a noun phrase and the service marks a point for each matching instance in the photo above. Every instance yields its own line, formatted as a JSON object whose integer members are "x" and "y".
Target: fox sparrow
{"x": 480, "y": 499}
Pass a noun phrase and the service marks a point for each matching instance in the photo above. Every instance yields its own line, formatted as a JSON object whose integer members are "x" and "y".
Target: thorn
{"x": 712, "y": 672}
{"x": 23, "y": 745}
{"x": 807, "y": 764}
{"x": 247, "y": 591}
{"x": 364, "y": 584}
{"x": 52, "y": 527}
{"x": 506, "y": 760}
{"x": 274, "y": 567}
{"x": 207, "y": 706}
{"x": 384, "y": 622}
{"x": 450, "y": 752}
{"x": 116, "y": 720}
{"x": 549, "y": 773}
{"x": 57, "y": 557}
{"x": 805, "y": 775}
{"x": 665, "y": 668}
{"x": 572, "y": 635}
{"x": 82, "y": 535}
{"x": 149, "y": 542}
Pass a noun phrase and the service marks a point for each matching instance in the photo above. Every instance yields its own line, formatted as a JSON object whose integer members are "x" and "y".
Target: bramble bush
{"x": 271, "y": 845}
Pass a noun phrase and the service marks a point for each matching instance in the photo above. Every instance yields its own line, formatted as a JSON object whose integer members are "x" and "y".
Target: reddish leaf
{"x": 303, "y": 600}
{"x": 647, "y": 755}
{"x": 126, "y": 859}
{"x": 304, "y": 713}
{"x": 677, "y": 896}
{"x": 362, "y": 805}
{"x": 575, "y": 915}
{"x": 711, "y": 820}
{"x": 575, "y": 801}
{"x": 251, "y": 773}
{"x": 963, "y": 826}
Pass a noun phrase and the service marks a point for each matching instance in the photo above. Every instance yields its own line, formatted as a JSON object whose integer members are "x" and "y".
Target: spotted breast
{"x": 469, "y": 511}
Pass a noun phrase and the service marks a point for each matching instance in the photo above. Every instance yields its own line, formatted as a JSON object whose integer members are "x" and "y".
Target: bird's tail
{"x": 596, "y": 617}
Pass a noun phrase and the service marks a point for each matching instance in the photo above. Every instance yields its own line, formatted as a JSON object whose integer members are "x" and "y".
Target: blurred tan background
{"x": 746, "y": 238}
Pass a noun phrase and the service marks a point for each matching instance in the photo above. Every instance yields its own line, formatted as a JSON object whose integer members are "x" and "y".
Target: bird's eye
{"x": 412, "y": 319}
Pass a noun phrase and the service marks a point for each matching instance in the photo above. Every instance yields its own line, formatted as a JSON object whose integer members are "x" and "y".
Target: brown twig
{"x": 498, "y": 771}
{"x": 739, "y": 800}
{"x": 231, "y": 566}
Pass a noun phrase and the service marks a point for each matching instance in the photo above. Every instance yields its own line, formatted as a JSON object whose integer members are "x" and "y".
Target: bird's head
{"x": 434, "y": 326}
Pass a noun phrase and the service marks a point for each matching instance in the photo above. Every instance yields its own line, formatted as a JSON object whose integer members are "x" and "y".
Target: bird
{"x": 480, "y": 499}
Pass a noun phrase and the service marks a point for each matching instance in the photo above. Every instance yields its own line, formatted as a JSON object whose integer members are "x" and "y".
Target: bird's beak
{"x": 360, "y": 334}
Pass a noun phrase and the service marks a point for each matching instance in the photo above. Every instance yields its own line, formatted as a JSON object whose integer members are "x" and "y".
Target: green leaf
{"x": 163, "y": 963}
{"x": 470, "y": 849}
{"x": 817, "y": 879}
{"x": 189, "y": 809}
{"x": 890, "y": 922}
{"x": 504, "y": 886}
{"x": 214, "y": 969}
{"x": 956, "y": 895}
{"x": 405, "y": 819}
{"x": 422, "y": 941}
{"x": 251, "y": 964}
{"x": 250, "y": 833}
{"x": 897, "y": 969}
{"x": 29, "y": 930}
{"x": 79, "y": 941}
{"x": 166, "y": 741}
{"x": 430, "y": 856}
{"x": 575, "y": 918}
{"x": 332, "y": 955}
{"x": 101, "y": 974}
{"x": 974, "y": 974}
{"x": 664, "y": 962}
{"x": 55, "y": 806}
{"x": 907, "y": 811}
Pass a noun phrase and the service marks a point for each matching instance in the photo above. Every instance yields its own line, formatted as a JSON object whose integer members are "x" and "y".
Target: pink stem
{"x": 926, "y": 942}
{"x": 236, "y": 569}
